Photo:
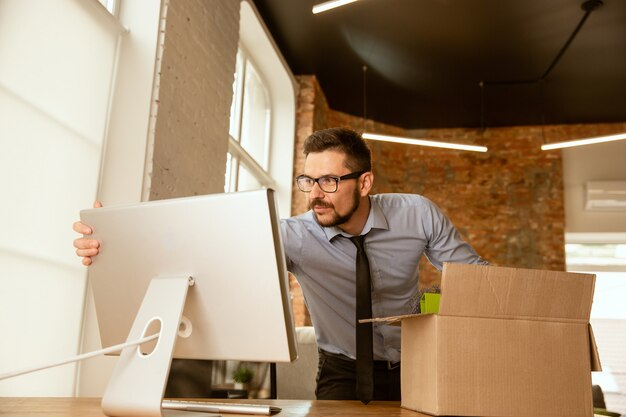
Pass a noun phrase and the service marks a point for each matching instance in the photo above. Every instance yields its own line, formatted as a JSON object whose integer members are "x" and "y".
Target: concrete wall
{"x": 195, "y": 94}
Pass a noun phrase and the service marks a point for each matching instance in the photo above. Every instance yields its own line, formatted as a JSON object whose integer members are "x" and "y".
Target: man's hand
{"x": 85, "y": 247}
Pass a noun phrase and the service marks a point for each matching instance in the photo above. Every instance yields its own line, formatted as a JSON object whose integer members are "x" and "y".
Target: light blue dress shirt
{"x": 400, "y": 229}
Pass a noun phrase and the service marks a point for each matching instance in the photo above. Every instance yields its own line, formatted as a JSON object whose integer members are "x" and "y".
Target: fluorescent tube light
{"x": 422, "y": 142}
{"x": 327, "y": 5}
{"x": 580, "y": 142}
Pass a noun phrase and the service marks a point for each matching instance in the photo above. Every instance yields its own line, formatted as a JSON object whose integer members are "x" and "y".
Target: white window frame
{"x": 282, "y": 87}
{"x": 111, "y": 5}
{"x": 238, "y": 156}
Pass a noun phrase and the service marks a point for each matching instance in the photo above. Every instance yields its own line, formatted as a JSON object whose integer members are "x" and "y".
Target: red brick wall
{"x": 311, "y": 115}
{"x": 507, "y": 203}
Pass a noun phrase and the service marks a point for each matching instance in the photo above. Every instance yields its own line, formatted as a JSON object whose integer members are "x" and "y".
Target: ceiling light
{"x": 327, "y": 5}
{"x": 409, "y": 141}
{"x": 580, "y": 142}
{"x": 422, "y": 142}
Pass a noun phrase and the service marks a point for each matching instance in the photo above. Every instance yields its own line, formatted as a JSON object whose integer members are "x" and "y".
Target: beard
{"x": 336, "y": 218}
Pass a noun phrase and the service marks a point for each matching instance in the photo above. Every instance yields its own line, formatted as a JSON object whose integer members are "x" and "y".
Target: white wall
{"x": 599, "y": 162}
{"x": 56, "y": 67}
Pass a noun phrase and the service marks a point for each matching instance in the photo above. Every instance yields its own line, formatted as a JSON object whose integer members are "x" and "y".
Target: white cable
{"x": 84, "y": 356}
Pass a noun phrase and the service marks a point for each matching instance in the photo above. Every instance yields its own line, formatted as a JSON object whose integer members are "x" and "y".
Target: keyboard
{"x": 215, "y": 407}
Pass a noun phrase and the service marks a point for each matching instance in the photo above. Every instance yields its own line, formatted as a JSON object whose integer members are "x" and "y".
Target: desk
{"x": 90, "y": 407}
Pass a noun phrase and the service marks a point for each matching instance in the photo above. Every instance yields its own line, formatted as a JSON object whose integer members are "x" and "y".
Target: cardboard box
{"x": 506, "y": 342}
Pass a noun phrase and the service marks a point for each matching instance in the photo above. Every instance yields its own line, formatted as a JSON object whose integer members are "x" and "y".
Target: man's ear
{"x": 366, "y": 183}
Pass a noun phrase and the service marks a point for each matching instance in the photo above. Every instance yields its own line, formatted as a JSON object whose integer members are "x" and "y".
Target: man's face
{"x": 331, "y": 209}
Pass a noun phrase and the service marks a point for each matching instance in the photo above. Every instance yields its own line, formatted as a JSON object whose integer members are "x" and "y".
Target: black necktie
{"x": 364, "y": 338}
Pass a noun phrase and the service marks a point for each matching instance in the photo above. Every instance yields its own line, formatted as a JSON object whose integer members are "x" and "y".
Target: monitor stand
{"x": 138, "y": 381}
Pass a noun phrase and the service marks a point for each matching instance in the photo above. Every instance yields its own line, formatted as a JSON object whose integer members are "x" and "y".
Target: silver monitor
{"x": 229, "y": 244}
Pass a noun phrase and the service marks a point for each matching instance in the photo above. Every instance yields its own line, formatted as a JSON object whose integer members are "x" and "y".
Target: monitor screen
{"x": 230, "y": 244}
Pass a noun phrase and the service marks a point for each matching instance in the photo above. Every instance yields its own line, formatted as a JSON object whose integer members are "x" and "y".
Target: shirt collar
{"x": 375, "y": 220}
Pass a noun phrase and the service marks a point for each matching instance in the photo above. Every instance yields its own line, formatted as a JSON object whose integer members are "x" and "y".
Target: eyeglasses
{"x": 327, "y": 183}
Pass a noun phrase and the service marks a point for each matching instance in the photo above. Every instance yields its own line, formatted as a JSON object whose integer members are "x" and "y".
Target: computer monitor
{"x": 229, "y": 244}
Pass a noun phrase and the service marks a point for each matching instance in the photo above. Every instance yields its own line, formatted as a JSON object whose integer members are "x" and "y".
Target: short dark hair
{"x": 349, "y": 142}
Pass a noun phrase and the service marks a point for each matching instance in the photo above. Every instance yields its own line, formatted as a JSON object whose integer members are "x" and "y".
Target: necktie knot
{"x": 359, "y": 242}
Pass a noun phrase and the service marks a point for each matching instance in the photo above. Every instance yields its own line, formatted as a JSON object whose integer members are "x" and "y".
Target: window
{"x": 263, "y": 120}
{"x": 261, "y": 144}
{"x": 54, "y": 99}
{"x": 110, "y": 5}
{"x": 250, "y": 120}
{"x": 605, "y": 256}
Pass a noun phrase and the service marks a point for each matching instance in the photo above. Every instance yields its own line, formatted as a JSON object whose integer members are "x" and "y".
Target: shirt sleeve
{"x": 445, "y": 243}
{"x": 292, "y": 237}
{"x": 284, "y": 235}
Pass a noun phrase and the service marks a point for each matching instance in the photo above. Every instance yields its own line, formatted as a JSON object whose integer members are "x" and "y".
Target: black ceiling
{"x": 426, "y": 58}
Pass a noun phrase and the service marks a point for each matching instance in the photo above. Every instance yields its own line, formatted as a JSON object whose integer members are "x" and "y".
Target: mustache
{"x": 317, "y": 202}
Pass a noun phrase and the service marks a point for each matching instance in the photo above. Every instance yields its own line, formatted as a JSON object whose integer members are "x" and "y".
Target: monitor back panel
{"x": 229, "y": 243}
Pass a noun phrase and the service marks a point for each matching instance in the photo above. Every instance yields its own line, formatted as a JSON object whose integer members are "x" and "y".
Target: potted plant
{"x": 242, "y": 376}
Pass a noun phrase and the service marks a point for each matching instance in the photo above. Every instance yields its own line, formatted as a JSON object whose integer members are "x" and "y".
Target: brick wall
{"x": 194, "y": 97}
{"x": 508, "y": 202}
{"x": 311, "y": 115}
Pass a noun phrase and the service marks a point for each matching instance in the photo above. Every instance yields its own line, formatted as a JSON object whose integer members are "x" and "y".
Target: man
{"x": 346, "y": 237}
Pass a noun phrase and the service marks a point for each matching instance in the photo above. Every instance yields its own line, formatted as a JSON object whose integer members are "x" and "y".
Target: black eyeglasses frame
{"x": 350, "y": 176}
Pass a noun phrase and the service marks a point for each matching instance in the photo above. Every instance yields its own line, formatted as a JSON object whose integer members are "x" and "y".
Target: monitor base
{"x": 138, "y": 381}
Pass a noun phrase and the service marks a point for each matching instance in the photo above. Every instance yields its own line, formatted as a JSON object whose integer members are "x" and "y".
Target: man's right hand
{"x": 86, "y": 247}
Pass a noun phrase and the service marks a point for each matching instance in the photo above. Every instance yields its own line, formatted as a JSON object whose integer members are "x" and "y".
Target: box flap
{"x": 491, "y": 291}
{"x": 395, "y": 320}
{"x": 596, "y": 366}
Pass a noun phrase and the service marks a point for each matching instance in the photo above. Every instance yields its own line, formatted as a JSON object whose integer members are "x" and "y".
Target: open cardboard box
{"x": 506, "y": 342}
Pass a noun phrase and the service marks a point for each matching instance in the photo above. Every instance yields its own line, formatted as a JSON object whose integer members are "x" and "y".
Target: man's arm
{"x": 445, "y": 243}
